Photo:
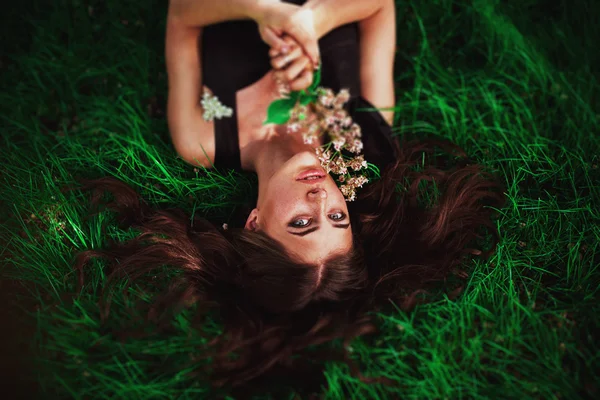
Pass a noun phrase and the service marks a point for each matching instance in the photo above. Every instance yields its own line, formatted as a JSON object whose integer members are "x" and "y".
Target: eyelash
{"x": 293, "y": 223}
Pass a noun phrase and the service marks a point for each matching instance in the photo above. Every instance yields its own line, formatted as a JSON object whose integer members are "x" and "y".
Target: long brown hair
{"x": 407, "y": 238}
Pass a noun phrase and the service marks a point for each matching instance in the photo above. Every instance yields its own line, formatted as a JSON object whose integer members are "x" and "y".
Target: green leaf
{"x": 374, "y": 169}
{"x": 316, "y": 80}
{"x": 279, "y": 111}
{"x": 305, "y": 99}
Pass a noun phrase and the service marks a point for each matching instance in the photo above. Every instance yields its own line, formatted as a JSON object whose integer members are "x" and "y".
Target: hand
{"x": 293, "y": 70}
{"x": 280, "y": 18}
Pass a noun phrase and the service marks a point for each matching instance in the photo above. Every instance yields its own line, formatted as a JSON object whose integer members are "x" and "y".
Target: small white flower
{"x": 355, "y": 147}
{"x": 358, "y": 163}
{"x": 339, "y": 143}
{"x": 340, "y": 116}
{"x": 324, "y": 155}
{"x": 344, "y": 95}
{"x": 293, "y": 127}
{"x": 355, "y": 130}
{"x": 358, "y": 181}
{"x": 308, "y": 138}
{"x": 346, "y": 122}
{"x": 348, "y": 191}
{"x": 213, "y": 108}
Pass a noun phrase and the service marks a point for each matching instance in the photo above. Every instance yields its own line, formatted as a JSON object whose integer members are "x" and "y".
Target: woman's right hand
{"x": 294, "y": 69}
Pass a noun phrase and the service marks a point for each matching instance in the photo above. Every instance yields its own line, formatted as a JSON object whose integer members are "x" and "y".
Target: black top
{"x": 234, "y": 56}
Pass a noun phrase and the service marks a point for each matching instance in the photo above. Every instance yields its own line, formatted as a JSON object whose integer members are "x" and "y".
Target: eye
{"x": 300, "y": 223}
{"x": 338, "y": 216}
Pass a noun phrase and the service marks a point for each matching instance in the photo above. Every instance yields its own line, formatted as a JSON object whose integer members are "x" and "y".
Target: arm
{"x": 377, "y": 54}
{"x": 330, "y": 14}
{"x": 199, "y": 13}
{"x": 189, "y": 131}
{"x": 192, "y": 136}
{"x": 377, "y": 25}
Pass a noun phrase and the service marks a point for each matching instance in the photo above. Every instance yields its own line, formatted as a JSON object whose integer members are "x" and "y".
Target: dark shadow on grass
{"x": 17, "y": 375}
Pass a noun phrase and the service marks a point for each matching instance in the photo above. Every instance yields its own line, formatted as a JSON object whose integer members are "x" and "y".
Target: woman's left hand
{"x": 293, "y": 70}
{"x": 279, "y": 19}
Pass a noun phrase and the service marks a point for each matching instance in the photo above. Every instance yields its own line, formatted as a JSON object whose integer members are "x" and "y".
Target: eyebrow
{"x": 311, "y": 230}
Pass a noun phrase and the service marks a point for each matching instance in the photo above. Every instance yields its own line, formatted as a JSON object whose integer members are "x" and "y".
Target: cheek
{"x": 280, "y": 204}
{"x": 336, "y": 193}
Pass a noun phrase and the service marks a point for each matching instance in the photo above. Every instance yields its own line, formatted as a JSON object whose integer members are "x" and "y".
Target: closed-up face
{"x": 302, "y": 208}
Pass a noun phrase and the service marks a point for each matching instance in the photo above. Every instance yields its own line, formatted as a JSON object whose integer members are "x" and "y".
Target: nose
{"x": 317, "y": 193}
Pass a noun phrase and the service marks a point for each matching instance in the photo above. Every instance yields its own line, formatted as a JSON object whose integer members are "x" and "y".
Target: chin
{"x": 304, "y": 159}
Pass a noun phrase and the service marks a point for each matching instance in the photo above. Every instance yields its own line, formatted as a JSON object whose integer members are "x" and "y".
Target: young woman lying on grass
{"x": 307, "y": 266}
{"x": 234, "y": 65}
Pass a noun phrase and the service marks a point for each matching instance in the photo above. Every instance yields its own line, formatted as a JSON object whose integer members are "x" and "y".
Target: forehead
{"x": 316, "y": 249}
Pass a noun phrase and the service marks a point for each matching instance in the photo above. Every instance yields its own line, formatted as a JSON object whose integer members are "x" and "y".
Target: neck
{"x": 274, "y": 150}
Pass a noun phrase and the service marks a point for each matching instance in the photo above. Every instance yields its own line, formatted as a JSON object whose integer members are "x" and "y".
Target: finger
{"x": 290, "y": 44}
{"x": 270, "y": 37}
{"x": 303, "y": 81}
{"x": 293, "y": 70}
{"x": 289, "y": 40}
{"x": 312, "y": 50}
{"x": 277, "y": 31}
{"x": 285, "y": 59}
{"x": 308, "y": 44}
{"x": 273, "y": 52}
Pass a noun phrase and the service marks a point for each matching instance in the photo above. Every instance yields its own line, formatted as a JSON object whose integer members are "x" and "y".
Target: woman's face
{"x": 308, "y": 216}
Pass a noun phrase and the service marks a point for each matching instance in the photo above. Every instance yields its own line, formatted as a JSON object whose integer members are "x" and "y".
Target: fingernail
{"x": 284, "y": 50}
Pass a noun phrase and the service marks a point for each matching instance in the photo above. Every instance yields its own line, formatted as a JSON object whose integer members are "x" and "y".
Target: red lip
{"x": 319, "y": 173}
{"x": 311, "y": 181}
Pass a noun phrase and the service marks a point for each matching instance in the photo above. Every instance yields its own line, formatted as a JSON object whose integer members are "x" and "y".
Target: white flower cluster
{"x": 213, "y": 108}
{"x": 349, "y": 189}
{"x": 343, "y": 133}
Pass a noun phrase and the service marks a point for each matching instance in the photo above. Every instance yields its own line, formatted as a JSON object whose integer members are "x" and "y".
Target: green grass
{"x": 512, "y": 82}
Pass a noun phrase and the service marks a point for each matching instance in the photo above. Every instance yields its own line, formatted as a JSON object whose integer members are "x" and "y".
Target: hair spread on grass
{"x": 274, "y": 309}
